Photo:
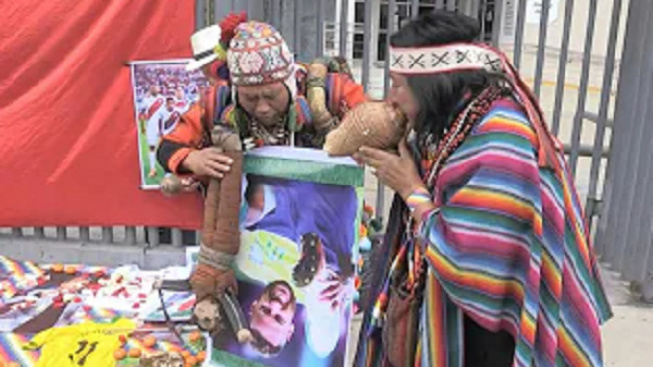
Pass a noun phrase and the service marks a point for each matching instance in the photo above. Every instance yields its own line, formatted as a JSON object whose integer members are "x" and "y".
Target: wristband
{"x": 418, "y": 197}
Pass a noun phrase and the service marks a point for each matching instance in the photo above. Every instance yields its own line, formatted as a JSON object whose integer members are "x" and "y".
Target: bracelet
{"x": 418, "y": 197}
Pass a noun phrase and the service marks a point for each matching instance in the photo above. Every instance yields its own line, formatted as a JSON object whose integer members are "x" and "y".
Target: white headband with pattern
{"x": 445, "y": 58}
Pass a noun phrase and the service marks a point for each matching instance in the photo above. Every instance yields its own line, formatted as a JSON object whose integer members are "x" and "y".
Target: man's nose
{"x": 263, "y": 107}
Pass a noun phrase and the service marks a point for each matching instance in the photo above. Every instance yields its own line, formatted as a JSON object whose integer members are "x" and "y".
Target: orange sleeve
{"x": 353, "y": 93}
{"x": 343, "y": 93}
{"x": 189, "y": 132}
{"x": 185, "y": 137}
{"x": 189, "y": 129}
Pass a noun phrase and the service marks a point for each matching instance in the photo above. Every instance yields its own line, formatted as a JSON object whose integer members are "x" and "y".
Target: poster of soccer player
{"x": 299, "y": 221}
{"x": 163, "y": 91}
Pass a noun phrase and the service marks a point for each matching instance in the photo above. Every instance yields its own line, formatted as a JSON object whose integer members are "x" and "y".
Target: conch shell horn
{"x": 375, "y": 124}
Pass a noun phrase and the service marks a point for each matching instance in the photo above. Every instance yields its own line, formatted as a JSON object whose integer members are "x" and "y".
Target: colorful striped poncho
{"x": 508, "y": 248}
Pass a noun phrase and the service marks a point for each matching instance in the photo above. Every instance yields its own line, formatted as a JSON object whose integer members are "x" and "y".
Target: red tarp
{"x": 68, "y": 146}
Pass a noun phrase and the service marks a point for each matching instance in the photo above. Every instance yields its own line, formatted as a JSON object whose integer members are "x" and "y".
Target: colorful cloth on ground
{"x": 77, "y": 313}
{"x": 509, "y": 248}
{"x": 167, "y": 342}
{"x": 11, "y": 350}
{"x": 87, "y": 344}
{"x": 16, "y": 276}
{"x": 21, "y": 311}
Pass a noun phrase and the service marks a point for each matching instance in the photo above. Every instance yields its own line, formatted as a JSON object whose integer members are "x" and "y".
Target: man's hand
{"x": 207, "y": 162}
{"x": 333, "y": 289}
{"x": 398, "y": 172}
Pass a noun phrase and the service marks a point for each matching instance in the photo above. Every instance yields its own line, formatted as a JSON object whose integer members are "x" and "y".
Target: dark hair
{"x": 440, "y": 96}
{"x": 170, "y": 99}
{"x": 253, "y": 183}
{"x": 264, "y": 347}
{"x": 270, "y": 287}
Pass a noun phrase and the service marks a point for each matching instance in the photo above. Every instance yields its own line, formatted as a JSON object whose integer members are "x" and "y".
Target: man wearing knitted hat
{"x": 265, "y": 98}
{"x": 261, "y": 93}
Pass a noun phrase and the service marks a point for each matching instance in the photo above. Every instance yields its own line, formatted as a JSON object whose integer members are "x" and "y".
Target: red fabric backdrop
{"x": 68, "y": 145}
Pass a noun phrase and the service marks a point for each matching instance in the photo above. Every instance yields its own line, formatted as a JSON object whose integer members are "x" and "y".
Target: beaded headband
{"x": 445, "y": 58}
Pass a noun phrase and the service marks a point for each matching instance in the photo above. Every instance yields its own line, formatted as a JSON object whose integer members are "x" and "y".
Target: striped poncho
{"x": 508, "y": 248}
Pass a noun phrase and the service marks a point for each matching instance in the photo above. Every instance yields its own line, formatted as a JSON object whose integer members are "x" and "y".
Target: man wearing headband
{"x": 488, "y": 260}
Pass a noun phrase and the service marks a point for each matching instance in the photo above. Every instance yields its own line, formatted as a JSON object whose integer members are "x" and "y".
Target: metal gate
{"x": 562, "y": 47}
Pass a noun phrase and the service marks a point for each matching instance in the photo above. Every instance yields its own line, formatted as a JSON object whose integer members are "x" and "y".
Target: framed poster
{"x": 163, "y": 91}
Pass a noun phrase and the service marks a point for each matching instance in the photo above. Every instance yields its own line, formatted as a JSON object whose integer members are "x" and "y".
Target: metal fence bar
{"x": 594, "y": 117}
{"x": 392, "y": 9}
{"x": 199, "y": 14}
{"x": 582, "y": 91}
{"x": 296, "y": 39}
{"x": 482, "y": 18}
{"x": 107, "y": 234}
{"x": 496, "y": 22}
{"x": 562, "y": 67}
{"x": 451, "y": 5}
{"x": 84, "y": 234}
{"x": 61, "y": 233}
{"x": 215, "y": 12}
{"x": 39, "y": 232}
{"x": 629, "y": 260}
{"x": 439, "y": 4}
{"x": 602, "y": 121}
{"x": 176, "y": 237}
{"x": 414, "y": 8}
{"x": 274, "y": 9}
{"x": 519, "y": 34}
{"x": 153, "y": 236}
{"x": 367, "y": 44}
{"x": 474, "y": 4}
{"x": 320, "y": 29}
{"x": 635, "y": 263}
{"x": 130, "y": 236}
{"x": 586, "y": 150}
{"x": 631, "y": 98}
{"x": 344, "y": 13}
{"x": 539, "y": 66}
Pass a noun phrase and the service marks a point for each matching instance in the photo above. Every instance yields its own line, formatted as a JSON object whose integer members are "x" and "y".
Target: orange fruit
{"x": 57, "y": 268}
{"x": 120, "y": 354}
{"x": 149, "y": 341}
{"x": 134, "y": 353}
{"x": 195, "y": 336}
{"x": 191, "y": 361}
{"x": 70, "y": 270}
{"x": 201, "y": 356}
{"x": 185, "y": 354}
